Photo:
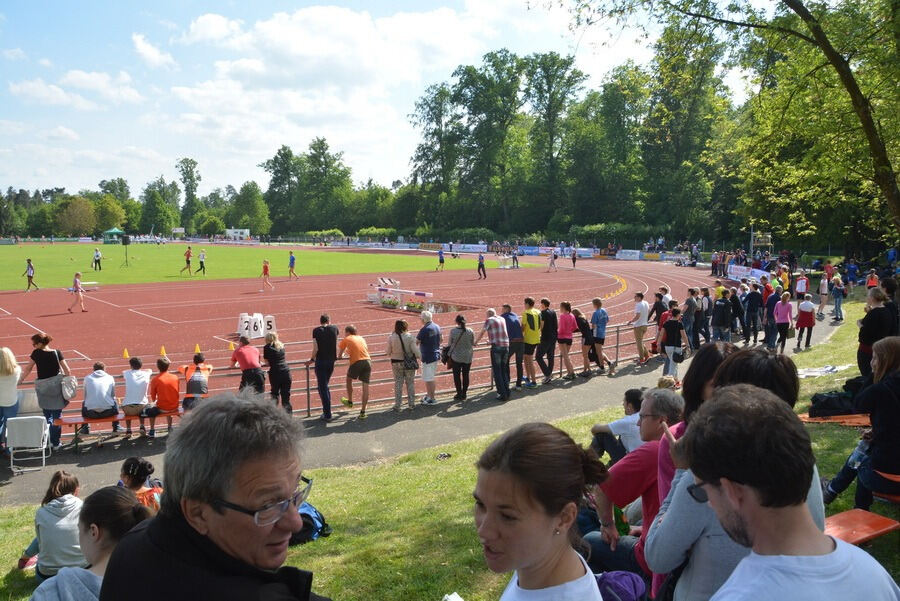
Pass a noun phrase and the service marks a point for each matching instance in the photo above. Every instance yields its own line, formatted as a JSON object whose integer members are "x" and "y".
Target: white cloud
{"x": 44, "y": 93}
{"x": 13, "y": 54}
{"x": 150, "y": 54}
{"x": 168, "y": 24}
{"x": 116, "y": 90}
{"x": 61, "y": 132}
{"x": 45, "y": 62}
{"x": 11, "y": 127}
{"x": 211, "y": 28}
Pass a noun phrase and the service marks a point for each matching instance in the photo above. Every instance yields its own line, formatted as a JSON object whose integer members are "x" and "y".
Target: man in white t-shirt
{"x": 623, "y": 435}
{"x": 752, "y": 459}
{"x": 664, "y": 290}
{"x": 137, "y": 381}
{"x": 639, "y": 320}
{"x": 99, "y": 396}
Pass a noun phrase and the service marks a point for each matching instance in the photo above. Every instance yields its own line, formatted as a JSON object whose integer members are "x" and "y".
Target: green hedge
{"x": 377, "y": 232}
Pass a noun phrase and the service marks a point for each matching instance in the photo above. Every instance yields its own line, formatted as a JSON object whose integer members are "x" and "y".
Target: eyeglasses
{"x": 269, "y": 514}
{"x": 643, "y": 415}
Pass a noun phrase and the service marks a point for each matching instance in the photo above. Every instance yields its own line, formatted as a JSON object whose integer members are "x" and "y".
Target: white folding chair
{"x": 27, "y": 435}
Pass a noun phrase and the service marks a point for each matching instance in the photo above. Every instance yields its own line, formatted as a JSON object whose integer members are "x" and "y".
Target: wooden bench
{"x": 76, "y": 420}
{"x": 858, "y": 526}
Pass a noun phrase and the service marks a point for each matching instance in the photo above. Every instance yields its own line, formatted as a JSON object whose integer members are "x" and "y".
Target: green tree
{"x": 436, "y": 159}
{"x": 190, "y": 179}
{"x": 132, "y": 223}
{"x": 212, "y": 225}
{"x": 250, "y": 210}
{"x": 157, "y": 216}
{"x": 281, "y": 196}
{"x": 326, "y": 190}
{"x": 75, "y": 217}
{"x": 117, "y": 187}
{"x": 109, "y": 213}
{"x": 169, "y": 192}
{"x": 40, "y": 221}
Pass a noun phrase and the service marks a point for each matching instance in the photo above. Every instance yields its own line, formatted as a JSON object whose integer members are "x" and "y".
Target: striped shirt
{"x": 496, "y": 330}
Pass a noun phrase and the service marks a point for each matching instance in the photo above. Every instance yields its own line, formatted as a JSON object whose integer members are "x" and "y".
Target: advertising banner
{"x": 432, "y": 246}
{"x": 736, "y": 272}
{"x": 673, "y": 256}
{"x": 628, "y": 255}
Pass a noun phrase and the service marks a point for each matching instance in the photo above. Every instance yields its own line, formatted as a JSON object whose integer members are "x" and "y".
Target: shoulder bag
{"x": 409, "y": 360}
{"x": 446, "y": 359}
{"x": 68, "y": 385}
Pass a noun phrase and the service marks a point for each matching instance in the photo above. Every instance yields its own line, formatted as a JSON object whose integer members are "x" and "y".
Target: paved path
{"x": 349, "y": 441}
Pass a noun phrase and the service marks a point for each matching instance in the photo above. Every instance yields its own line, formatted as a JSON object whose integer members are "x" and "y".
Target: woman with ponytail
{"x": 106, "y": 516}
{"x": 530, "y": 482}
{"x": 135, "y": 476}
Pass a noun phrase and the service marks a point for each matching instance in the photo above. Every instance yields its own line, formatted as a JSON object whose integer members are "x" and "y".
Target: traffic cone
{"x": 125, "y": 354}
{"x": 162, "y": 351}
{"x": 196, "y": 348}
{"x": 231, "y": 346}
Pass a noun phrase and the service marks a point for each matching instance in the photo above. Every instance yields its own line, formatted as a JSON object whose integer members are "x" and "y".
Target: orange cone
{"x": 125, "y": 354}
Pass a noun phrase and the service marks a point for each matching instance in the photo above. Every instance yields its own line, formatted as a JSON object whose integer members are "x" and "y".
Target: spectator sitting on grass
{"x": 234, "y": 482}
{"x": 107, "y": 514}
{"x": 163, "y": 396}
{"x": 99, "y": 396}
{"x": 137, "y": 382}
{"x": 135, "y": 476}
{"x": 751, "y": 458}
{"x": 621, "y": 436}
{"x": 530, "y": 482}
{"x": 56, "y": 527}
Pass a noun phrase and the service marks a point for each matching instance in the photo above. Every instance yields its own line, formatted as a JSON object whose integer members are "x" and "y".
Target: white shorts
{"x": 429, "y": 371}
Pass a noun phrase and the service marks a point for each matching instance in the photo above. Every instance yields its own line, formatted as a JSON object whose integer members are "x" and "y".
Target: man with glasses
{"x": 631, "y": 477}
{"x": 752, "y": 459}
{"x": 233, "y": 485}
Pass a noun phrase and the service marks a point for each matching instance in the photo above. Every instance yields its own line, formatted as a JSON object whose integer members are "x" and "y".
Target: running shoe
{"x": 346, "y": 402}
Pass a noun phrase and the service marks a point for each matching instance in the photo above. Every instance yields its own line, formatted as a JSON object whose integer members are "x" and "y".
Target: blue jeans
{"x": 721, "y": 333}
{"x": 500, "y": 369}
{"x": 752, "y": 325}
{"x": 688, "y": 331}
{"x": 324, "y": 369}
{"x": 771, "y": 333}
{"x": 6, "y": 413}
{"x": 859, "y": 466}
{"x": 55, "y": 431}
{"x": 623, "y": 558}
{"x": 838, "y": 311}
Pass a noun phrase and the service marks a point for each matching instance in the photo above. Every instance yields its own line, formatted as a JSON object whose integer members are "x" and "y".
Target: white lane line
{"x": 165, "y": 321}
{"x": 29, "y": 325}
{"x": 5, "y": 311}
{"x": 82, "y": 354}
{"x": 100, "y": 300}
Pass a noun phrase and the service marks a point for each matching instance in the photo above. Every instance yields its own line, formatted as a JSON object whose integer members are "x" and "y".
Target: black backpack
{"x": 826, "y": 404}
{"x": 314, "y": 525}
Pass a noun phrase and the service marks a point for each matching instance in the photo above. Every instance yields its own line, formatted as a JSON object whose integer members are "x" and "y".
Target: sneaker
{"x": 362, "y": 415}
{"x": 27, "y": 563}
{"x": 530, "y": 384}
{"x": 397, "y": 408}
{"x": 429, "y": 401}
{"x": 326, "y": 418}
{"x": 547, "y": 380}
{"x": 569, "y": 377}
{"x": 827, "y": 494}
{"x": 115, "y": 428}
{"x": 151, "y": 433}
{"x": 346, "y": 402}
{"x": 84, "y": 429}
{"x": 585, "y": 374}
{"x": 57, "y": 447}
{"x": 501, "y": 398}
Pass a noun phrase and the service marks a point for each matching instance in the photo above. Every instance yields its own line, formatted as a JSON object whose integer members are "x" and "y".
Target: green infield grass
{"x": 55, "y": 264}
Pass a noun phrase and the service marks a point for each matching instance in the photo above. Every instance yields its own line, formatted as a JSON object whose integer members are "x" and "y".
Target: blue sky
{"x": 97, "y": 90}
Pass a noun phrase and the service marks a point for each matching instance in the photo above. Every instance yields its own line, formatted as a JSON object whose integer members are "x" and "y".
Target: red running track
{"x": 180, "y": 315}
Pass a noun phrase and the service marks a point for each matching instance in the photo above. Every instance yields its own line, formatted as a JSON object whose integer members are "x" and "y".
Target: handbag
{"x": 409, "y": 361}
{"x": 678, "y": 356}
{"x": 447, "y": 350}
{"x": 792, "y": 332}
{"x": 68, "y": 385}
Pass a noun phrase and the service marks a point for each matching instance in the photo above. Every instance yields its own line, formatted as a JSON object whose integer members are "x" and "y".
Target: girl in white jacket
{"x": 56, "y": 527}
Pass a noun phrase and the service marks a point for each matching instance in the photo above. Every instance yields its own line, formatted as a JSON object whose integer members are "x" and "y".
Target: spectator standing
{"x": 360, "y": 367}
{"x": 531, "y": 333}
{"x": 324, "y": 354}
{"x": 547, "y": 346}
{"x": 246, "y": 357}
{"x": 99, "y": 396}
{"x": 766, "y": 509}
{"x": 49, "y": 363}
{"x": 823, "y": 296}
{"x": 599, "y": 321}
{"x": 721, "y": 317}
{"x": 9, "y": 379}
{"x": 769, "y": 318}
{"x": 401, "y": 346}
{"x": 806, "y": 319}
{"x": 801, "y": 287}
{"x": 688, "y": 312}
{"x": 622, "y": 436}
{"x": 279, "y": 371}
{"x": 784, "y": 318}
{"x": 56, "y": 527}
{"x": 751, "y": 316}
{"x": 838, "y": 293}
{"x": 566, "y": 328}
{"x": 640, "y": 320}
{"x": 106, "y": 515}
{"x": 516, "y": 340}
{"x": 875, "y": 325}
{"x": 137, "y": 383}
{"x": 429, "y": 341}
{"x": 495, "y": 327}
{"x": 460, "y": 351}
{"x": 539, "y": 471}
{"x": 672, "y": 340}
{"x": 587, "y": 342}
{"x": 196, "y": 381}
{"x": 659, "y": 307}
{"x": 223, "y": 537}
{"x": 738, "y": 326}
{"x": 163, "y": 394}
{"x": 702, "y": 316}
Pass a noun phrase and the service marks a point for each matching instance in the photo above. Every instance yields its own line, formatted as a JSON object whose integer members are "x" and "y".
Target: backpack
{"x": 826, "y": 404}
{"x": 620, "y": 586}
{"x": 314, "y": 525}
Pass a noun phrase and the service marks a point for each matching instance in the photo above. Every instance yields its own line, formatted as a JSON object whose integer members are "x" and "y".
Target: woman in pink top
{"x": 567, "y": 326}
{"x": 78, "y": 291}
{"x": 784, "y": 318}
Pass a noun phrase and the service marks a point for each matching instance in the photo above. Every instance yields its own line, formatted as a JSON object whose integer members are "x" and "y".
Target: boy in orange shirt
{"x": 360, "y": 366}
{"x": 163, "y": 395}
